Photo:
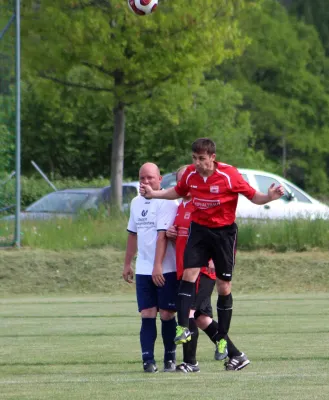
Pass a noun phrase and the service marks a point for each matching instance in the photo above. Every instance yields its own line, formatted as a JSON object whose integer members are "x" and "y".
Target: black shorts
{"x": 218, "y": 244}
{"x": 202, "y": 300}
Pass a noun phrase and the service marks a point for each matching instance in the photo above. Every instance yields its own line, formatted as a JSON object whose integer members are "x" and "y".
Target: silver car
{"x": 71, "y": 202}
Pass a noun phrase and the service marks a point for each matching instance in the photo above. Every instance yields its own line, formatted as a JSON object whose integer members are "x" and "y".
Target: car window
{"x": 244, "y": 176}
{"x": 59, "y": 202}
{"x": 298, "y": 195}
{"x": 168, "y": 180}
{"x": 128, "y": 193}
{"x": 264, "y": 182}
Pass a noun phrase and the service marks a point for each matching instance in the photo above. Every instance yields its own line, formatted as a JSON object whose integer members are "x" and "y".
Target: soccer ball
{"x": 142, "y": 7}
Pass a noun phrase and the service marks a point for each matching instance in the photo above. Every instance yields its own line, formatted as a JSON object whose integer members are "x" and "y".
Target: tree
{"x": 282, "y": 76}
{"x": 101, "y": 46}
{"x": 215, "y": 113}
{"x": 315, "y": 12}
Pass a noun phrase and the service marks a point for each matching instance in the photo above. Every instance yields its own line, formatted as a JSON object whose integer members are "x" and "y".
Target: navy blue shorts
{"x": 149, "y": 295}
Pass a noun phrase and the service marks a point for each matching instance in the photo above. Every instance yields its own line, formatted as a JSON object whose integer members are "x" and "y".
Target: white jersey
{"x": 147, "y": 218}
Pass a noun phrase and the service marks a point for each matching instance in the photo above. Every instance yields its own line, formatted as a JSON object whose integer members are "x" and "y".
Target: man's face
{"x": 150, "y": 176}
{"x": 203, "y": 162}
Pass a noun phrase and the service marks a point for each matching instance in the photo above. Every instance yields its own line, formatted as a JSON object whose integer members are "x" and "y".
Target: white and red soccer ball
{"x": 142, "y": 7}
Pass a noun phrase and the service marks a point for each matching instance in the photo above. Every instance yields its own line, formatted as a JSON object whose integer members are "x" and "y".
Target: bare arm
{"x": 131, "y": 250}
{"x": 274, "y": 193}
{"x": 160, "y": 252}
{"x": 167, "y": 194}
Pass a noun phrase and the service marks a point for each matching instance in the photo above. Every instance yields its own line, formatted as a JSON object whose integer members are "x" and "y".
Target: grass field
{"x": 87, "y": 347}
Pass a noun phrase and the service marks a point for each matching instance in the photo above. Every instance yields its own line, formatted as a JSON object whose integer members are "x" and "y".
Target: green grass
{"x": 99, "y": 271}
{"x": 101, "y": 230}
{"x": 87, "y": 347}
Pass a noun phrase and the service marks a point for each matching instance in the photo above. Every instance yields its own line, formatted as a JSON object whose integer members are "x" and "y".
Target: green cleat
{"x": 183, "y": 335}
{"x": 221, "y": 352}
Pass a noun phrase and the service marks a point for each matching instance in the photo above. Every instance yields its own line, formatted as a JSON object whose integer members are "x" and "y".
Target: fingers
{"x": 171, "y": 233}
{"x": 128, "y": 276}
{"x": 158, "y": 280}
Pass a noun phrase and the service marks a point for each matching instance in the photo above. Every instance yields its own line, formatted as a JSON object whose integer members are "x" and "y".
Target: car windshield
{"x": 168, "y": 180}
{"x": 59, "y": 202}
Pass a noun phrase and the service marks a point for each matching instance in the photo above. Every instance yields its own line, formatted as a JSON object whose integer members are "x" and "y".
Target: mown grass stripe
{"x": 261, "y": 332}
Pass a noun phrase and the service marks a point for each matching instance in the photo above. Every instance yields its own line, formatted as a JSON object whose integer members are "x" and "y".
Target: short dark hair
{"x": 204, "y": 145}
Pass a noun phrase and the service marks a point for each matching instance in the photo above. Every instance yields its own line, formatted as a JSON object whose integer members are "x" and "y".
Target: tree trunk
{"x": 117, "y": 155}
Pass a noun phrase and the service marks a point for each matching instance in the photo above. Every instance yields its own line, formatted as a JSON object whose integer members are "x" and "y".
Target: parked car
{"x": 294, "y": 204}
{"x": 71, "y": 202}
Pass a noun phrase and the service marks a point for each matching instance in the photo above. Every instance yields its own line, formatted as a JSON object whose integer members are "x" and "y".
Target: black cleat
{"x": 187, "y": 368}
{"x": 237, "y": 363}
{"x": 150, "y": 367}
{"x": 169, "y": 366}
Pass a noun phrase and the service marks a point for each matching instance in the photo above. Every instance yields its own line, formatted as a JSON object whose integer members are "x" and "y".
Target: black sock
{"x": 212, "y": 331}
{"x": 184, "y": 302}
{"x": 189, "y": 348}
{"x": 231, "y": 349}
{"x": 224, "y": 311}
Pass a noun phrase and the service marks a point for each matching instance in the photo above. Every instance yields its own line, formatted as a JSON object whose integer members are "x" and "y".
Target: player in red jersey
{"x": 201, "y": 315}
{"x": 214, "y": 188}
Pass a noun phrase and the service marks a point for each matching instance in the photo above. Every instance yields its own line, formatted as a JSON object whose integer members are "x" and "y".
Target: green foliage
{"x": 67, "y": 234}
{"x": 164, "y": 135}
{"x": 281, "y": 77}
{"x": 121, "y": 60}
{"x": 315, "y": 12}
{"x": 66, "y": 131}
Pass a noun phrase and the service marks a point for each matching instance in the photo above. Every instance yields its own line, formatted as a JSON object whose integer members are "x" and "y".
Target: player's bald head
{"x": 149, "y": 167}
{"x": 149, "y": 174}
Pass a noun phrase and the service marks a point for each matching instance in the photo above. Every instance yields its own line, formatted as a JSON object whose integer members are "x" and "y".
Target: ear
{"x": 160, "y": 178}
{"x": 213, "y": 157}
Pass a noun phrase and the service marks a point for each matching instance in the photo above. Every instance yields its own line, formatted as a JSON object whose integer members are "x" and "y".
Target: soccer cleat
{"x": 150, "y": 367}
{"x": 217, "y": 355}
{"x": 169, "y": 366}
{"x": 186, "y": 368}
{"x": 183, "y": 335}
{"x": 221, "y": 350}
{"x": 236, "y": 363}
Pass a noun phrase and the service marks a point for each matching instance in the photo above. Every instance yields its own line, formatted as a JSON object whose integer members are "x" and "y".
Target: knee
{"x": 149, "y": 313}
{"x": 223, "y": 287}
{"x": 191, "y": 274}
{"x": 203, "y": 321}
{"x": 166, "y": 315}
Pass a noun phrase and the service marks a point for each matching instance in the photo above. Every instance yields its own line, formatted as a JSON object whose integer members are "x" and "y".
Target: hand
{"x": 171, "y": 233}
{"x": 145, "y": 191}
{"x": 128, "y": 274}
{"x": 211, "y": 267}
{"x": 275, "y": 192}
{"x": 157, "y": 276}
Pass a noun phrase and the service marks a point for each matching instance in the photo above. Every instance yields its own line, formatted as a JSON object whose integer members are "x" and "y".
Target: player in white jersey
{"x": 156, "y": 281}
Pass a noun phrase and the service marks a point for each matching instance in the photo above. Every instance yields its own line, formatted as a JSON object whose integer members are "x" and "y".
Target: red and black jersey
{"x": 215, "y": 197}
{"x": 182, "y": 223}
